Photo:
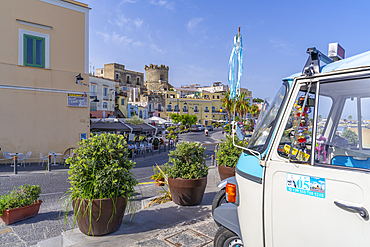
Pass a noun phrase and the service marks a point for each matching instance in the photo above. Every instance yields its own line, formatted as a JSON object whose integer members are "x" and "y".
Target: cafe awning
{"x": 146, "y": 127}
{"x": 135, "y": 128}
{"x": 109, "y": 126}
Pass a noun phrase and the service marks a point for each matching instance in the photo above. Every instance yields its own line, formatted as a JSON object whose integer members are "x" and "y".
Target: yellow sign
{"x": 287, "y": 150}
{"x": 302, "y": 156}
{"x": 76, "y": 95}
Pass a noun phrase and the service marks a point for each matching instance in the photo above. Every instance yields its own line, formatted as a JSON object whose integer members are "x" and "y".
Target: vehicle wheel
{"x": 226, "y": 238}
{"x": 220, "y": 198}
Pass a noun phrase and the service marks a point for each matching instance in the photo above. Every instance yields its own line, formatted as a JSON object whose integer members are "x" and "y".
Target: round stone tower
{"x": 156, "y": 77}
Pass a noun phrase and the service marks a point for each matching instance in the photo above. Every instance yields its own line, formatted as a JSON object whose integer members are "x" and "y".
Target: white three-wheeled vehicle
{"x": 304, "y": 179}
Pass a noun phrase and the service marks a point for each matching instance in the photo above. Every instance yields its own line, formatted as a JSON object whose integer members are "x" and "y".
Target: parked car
{"x": 194, "y": 128}
{"x": 201, "y": 127}
{"x": 197, "y": 127}
{"x": 209, "y": 128}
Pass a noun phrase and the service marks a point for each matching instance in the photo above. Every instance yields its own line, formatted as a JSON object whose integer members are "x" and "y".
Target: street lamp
{"x": 95, "y": 98}
{"x": 79, "y": 79}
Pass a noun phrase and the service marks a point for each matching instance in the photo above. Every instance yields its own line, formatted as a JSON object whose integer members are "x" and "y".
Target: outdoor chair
{"x": 7, "y": 157}
{"x": 137, "y": 148}
{"x": 42, "y": 158}
{"x": 28, "y": 156}
{"x": 20, "y": 158}
{"x": 65, "y": 157}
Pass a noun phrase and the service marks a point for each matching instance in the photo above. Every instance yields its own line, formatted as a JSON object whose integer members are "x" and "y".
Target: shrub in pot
{"x": 21, "y": 203}
{"x": 101, "y": 183}
{"x": 187, "y": 177}
{"x": 227, "y": 156}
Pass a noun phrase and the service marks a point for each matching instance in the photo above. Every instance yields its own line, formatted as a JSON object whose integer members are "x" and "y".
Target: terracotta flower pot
{"x": 226, "y": 172}
{"x": 11, "y": 216}
{"x": 187, "y": 192}
{"x": 158, "y": 182}
{"x": 102, "y": 221}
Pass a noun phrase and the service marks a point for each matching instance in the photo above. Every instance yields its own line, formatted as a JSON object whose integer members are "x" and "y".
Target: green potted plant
{"x": 21, "y": 203}
{"x": 187, "y": 177}
{"x": 227, "y": 156}
{"x": 101, "y": 183}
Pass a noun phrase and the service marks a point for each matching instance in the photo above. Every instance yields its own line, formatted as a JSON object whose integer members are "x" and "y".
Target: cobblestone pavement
{"x": 53, "y": 184}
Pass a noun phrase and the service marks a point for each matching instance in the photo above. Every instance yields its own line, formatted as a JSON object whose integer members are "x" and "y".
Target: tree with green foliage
{"x": 254, "y": 111}
{"x": 134, "y": 120}
{"x": 351, "y": 136}
{"x": 257, "y": 100}
{"x": 175, "y": 117}
{"x": 242, "y": 105}
{"x": 185, "y": 119}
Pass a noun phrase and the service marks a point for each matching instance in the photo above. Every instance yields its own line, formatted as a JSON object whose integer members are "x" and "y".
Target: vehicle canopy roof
{"x": 360, "y": 60}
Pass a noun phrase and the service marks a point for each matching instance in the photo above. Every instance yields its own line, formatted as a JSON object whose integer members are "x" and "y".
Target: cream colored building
{"x": 44, "y": 47}
{"x": 205, "y": 105}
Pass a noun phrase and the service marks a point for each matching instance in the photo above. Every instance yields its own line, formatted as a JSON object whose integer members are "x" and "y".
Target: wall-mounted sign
{"x": 77, "y": 100}
{"x": 83, "y": 136}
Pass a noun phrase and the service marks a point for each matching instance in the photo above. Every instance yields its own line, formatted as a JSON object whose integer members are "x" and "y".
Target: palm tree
{"x": 254, "y": 110}
{"x": 228, "y": 105}
{"x": 242, "y": 106}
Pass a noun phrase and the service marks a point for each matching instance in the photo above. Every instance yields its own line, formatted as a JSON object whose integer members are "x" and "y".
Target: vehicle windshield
{"x": 267, "y": 117}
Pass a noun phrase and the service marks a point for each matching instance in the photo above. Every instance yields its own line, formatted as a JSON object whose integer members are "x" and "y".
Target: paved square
{"x": 188, "y": 238}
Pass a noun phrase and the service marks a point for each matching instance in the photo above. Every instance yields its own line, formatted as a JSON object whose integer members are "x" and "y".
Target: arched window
{"x": 137, "y": 81}
{"x": 169, "y": 107}
{"x": 177, "y": 108}
{"x": 213, "y": 109}
{"x": 185, "y": 108}
{"x": 195, "y": 108}
{"x": 206, "y": 109}
{"x": 105, "y": 105}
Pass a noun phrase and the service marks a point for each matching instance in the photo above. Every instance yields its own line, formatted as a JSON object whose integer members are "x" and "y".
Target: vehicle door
{"x": 317, "y": 186}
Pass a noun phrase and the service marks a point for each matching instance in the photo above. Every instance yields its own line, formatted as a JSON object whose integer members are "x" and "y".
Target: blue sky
{"x": 195, "y": 38}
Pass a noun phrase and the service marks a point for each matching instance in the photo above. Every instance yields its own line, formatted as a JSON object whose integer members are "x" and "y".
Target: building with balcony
{"x": 205, "y": 105}
{"x": 44, "y": 57}
{"x": 102, "y": 97}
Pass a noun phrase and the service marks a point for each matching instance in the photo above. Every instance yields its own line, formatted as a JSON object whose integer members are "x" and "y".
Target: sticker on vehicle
{"x": 305, "y": 185}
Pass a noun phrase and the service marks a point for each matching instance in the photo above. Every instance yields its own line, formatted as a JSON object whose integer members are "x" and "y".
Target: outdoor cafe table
{"x": 14, "y": 154}
{"x": 55, "y": 155}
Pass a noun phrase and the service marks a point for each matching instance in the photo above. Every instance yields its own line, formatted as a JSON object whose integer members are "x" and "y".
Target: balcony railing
{"x": 206, "y": 110}
{"x": 93, "y": 93}
{"x": 169, "y": 109}
{"x": 185, "y": 110}
{"x": 106, "y": 97}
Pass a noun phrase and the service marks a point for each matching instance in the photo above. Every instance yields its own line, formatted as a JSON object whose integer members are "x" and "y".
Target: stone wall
{"x": 155, "y": 73}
